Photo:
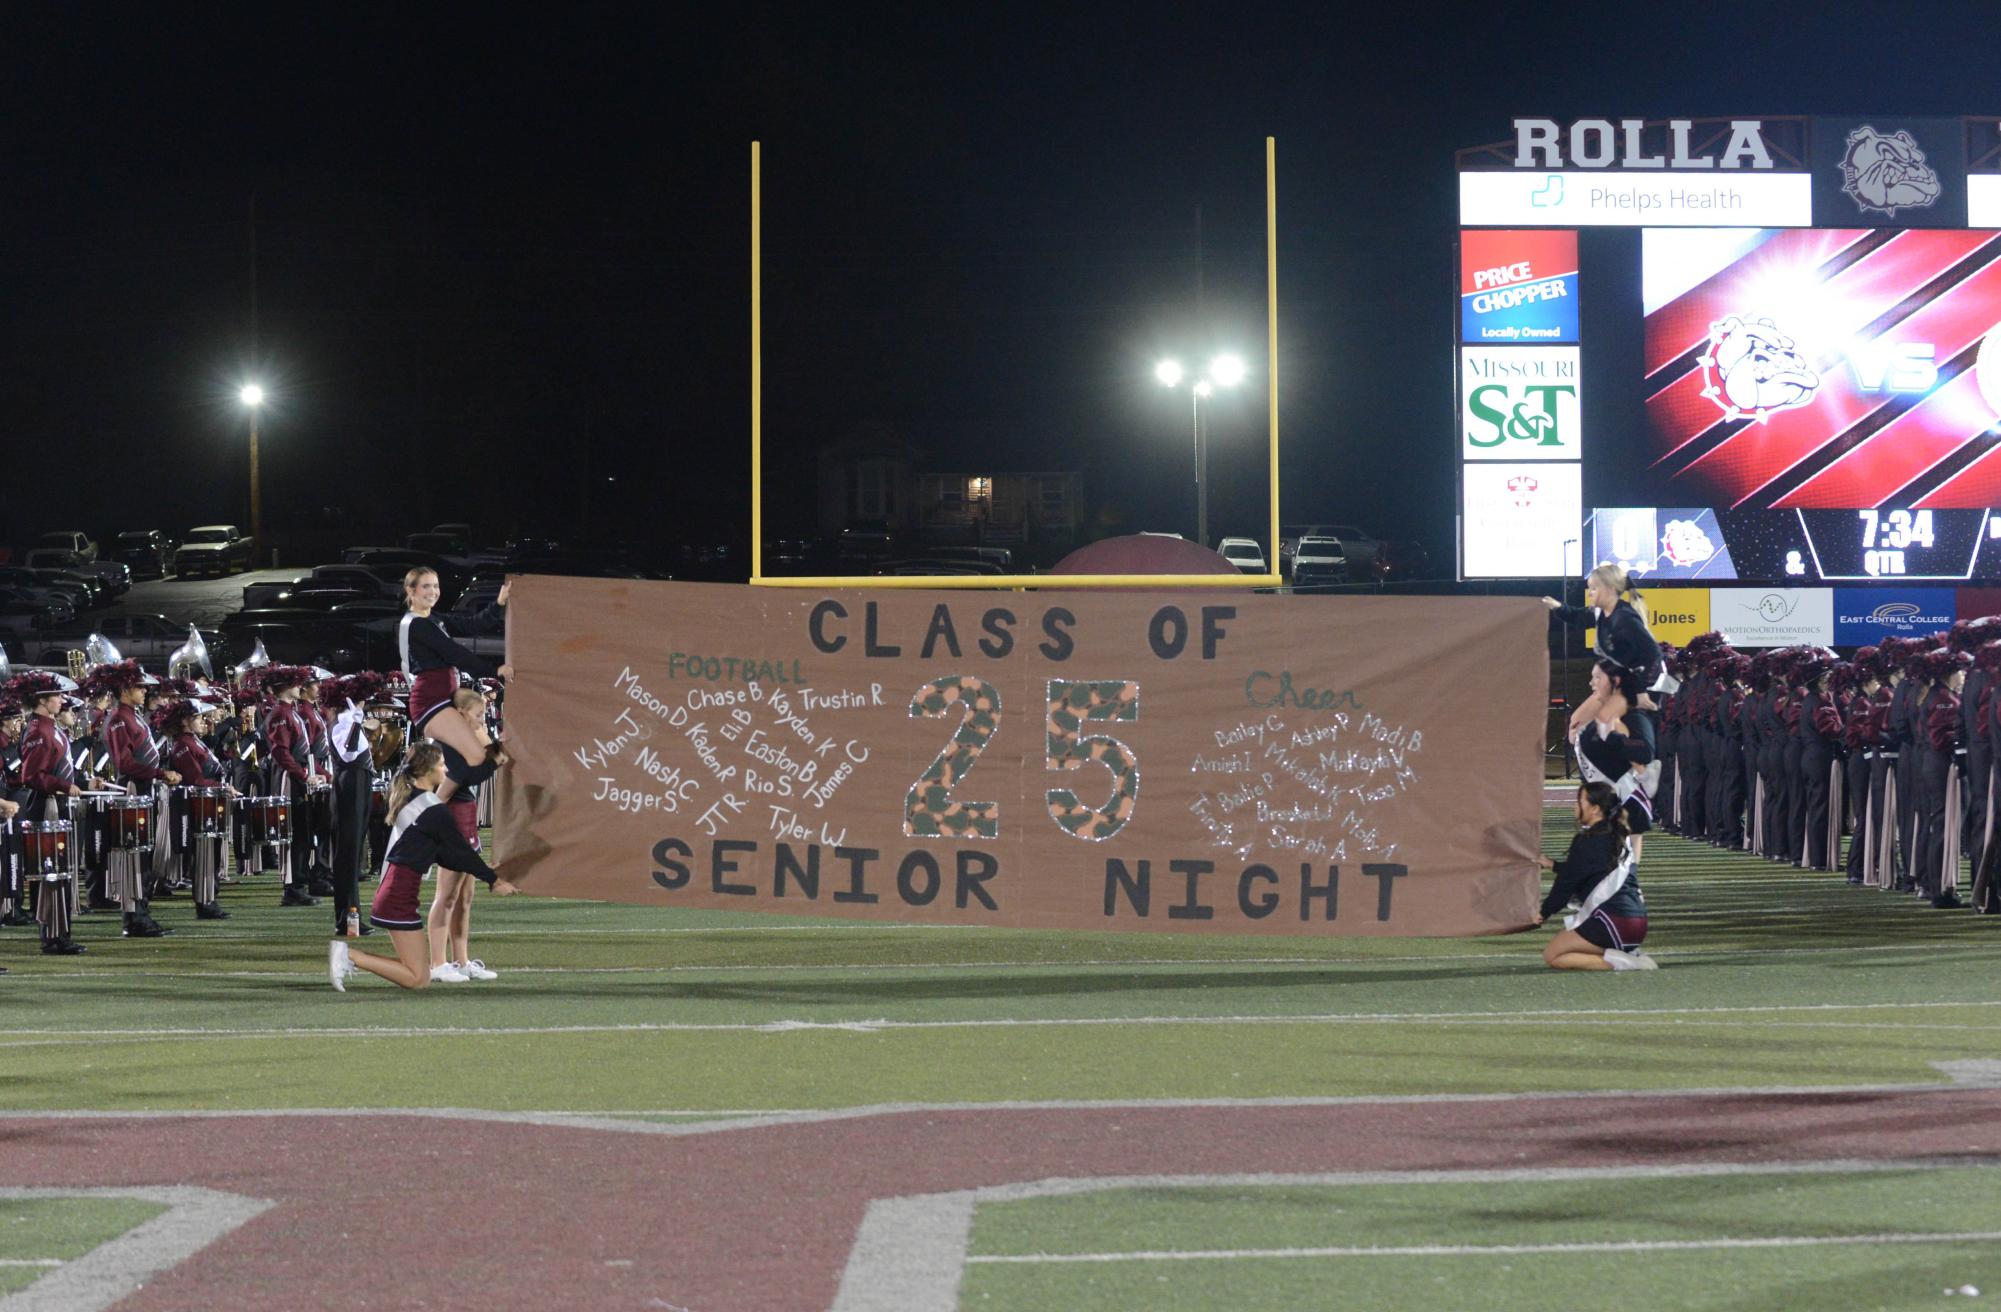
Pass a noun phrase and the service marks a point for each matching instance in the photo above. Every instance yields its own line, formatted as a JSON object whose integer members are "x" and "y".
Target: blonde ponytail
{"x": 423, "y": 757}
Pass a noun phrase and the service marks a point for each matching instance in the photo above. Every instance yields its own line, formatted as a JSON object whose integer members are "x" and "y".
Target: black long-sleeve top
{"x": 467, "y": 777}
{"x": 1622, "y": 637}
{"x": 426, "y": 646}
{"x": 1594, "y": 854}
{"x": 433, "y": 839}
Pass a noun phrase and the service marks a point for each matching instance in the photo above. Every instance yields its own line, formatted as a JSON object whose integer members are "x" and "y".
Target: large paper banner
{"x": 1051, "y": 760}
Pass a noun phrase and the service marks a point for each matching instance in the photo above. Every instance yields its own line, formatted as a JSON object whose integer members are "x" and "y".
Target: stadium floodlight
{"x": 252, "y": 395}
{"x": 1203, "y": 387}
{"x": 1168, "y": 372}
{"x": 1227, "y": 370}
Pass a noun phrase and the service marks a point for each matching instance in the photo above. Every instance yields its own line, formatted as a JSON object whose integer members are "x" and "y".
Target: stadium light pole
{"x": 252, "y": 397}
{"x": 1227, "y": 370}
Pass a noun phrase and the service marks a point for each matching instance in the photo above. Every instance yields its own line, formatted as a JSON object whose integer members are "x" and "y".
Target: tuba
{"x": 192, "y": 655}
{"x": 256, "y": 660}
{"x": 98, "y": 650}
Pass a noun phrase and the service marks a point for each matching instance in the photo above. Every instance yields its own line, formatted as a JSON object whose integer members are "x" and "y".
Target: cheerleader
{"x": 1939, "y": 766}
{"x": 450, "y": 920}
{"x": 202, "y": 855}
{"x": 1600, "y": 876}
{"x": 422, "y": 835}
{"x": 1623, "y": 636}
{"x": 1617, "y": 749}
{"x": 433, "y": 661}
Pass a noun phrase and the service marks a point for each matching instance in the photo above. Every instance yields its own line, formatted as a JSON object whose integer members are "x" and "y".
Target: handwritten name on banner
{"x": 1249, "y": 764}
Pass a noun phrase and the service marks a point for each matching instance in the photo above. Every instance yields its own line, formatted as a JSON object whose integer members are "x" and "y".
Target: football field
{"x": 1802, "y": 1108}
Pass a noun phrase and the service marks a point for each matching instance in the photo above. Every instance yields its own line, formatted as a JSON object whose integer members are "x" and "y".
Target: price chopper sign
{"x": 1042, "y": 760}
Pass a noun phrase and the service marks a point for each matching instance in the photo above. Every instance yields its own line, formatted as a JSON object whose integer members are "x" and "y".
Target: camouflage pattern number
{"x": 929, "y": 809}
{"x": 1071, "y": 706}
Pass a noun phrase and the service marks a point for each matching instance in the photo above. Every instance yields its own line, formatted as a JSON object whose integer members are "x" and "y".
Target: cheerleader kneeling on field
{"x": 422, "y": 833}
{"x": 1599, "y": 875}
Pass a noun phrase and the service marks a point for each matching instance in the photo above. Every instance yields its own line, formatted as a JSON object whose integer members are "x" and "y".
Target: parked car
{"x": 23, "y": 620}
{"x": 1400, "y": 560}
{"x": 147, "y": 552}
{"x": 264, "y": 592}
{"x": 370, "y": 580}
{"x": 218, "y": 549}
{"x": 312, "y": 595}
{"x": 47, "y": 588}
{"x": 392, "y": 563}
{"x": 1244, "y": 553}
{"x": 109, "y": 577}
{"x": 443, "y": 544}
{"x": 148, "y": 639}
{"x": 309, "y": 639}
{"x": 71, "y": 540}
{"x": 1317, "y": 561}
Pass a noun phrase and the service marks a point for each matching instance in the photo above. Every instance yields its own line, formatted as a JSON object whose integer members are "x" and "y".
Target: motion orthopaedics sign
{"x": 1248, "y": 764}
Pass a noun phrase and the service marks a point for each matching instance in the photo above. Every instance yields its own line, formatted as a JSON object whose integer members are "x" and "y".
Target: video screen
{"x": 1770, "y": 405}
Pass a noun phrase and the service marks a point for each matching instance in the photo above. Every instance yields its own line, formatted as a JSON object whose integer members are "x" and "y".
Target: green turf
{"x": 32, "y": 1229}
{"x": 1525, "y": 1212}
{"x": 1771, "y": 976}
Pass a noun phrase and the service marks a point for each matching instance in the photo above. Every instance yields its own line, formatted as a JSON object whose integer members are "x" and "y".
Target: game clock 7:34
{"x": 1894, "y": 543}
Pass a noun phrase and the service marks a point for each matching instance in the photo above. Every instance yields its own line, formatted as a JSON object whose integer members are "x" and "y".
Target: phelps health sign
{"x": 1213, "y": 763}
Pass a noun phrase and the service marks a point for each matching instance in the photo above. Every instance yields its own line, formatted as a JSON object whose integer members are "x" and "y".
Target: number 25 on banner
{"x": 931, "y": 811}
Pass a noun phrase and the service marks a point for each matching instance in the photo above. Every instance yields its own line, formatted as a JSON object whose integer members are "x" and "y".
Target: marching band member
{"x": 291, "y": 772}
{"x": 432, "y": 660}
{"x": 202, "y": 855}
{"x": 135, "y": 761}
{"x": 1970, "y": 636}
{"x": 315, "y": 819}
{"x": 1987, "y": 875}
{"x": 240, "y": 749}
{"x": 13, "y": 885}
{"x": 48, "y": 774}
{"x": 421, "y": 836}
{"x": 1854, "y": 683}
{"x": 1821, "y": 733}
{"x": 1939, "y": 766}
{"x": 351, "y": 742}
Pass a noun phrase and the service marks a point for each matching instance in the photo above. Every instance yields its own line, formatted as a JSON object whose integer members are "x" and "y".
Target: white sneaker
{"x": 1630, "y": 960}
{"x": 476, "y": 969}
{"x": 448, "y": 974}
{"x": 339, "y": 965}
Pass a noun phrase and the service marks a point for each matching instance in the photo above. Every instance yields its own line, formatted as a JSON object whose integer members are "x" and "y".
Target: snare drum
{"x": 207, "y": 807}
{"x": 268, "y": 819}
{"x": 121, "y": 820}
{"x": 45, "y": 847}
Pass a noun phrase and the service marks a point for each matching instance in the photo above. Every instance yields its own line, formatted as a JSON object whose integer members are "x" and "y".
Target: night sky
{"x": 502, "y": 260}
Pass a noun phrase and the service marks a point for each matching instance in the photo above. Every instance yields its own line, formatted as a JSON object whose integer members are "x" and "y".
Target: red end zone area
{"x": 860, "y": 1210}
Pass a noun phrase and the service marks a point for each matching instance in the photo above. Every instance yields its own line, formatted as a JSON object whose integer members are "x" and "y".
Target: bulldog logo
{"x": 1684, "y": 543}
{"x": 1751, "y": 368}
{"x": 1887, "y": 174}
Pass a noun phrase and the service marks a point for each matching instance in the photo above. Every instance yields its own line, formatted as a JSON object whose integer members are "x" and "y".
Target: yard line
{"x": 1494, "y": 1250}
{"x": 30, "y": 1261}
{"x": 1618, "y": 1015}
{"x": 1520, "y": 955}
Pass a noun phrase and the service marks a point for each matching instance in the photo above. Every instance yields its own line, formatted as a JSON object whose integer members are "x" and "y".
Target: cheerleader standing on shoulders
{"x": 422, "y": 835}
{"x": 1623, "y": 636}
{"x": 1598, "y": 874}
{"x": 433, "y": 661}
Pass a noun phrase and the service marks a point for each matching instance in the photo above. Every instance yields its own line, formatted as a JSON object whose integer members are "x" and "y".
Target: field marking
{"x": 120, "y": 1267}
{"x": 31, "y": 1261}
{"x": 910, "y": 1253}
{"x": 1521, "y": 956}
{"x": 1492, "y": 1250}
{"x": 1615, "y": 1015}
{"x": 1961, "y": 1076}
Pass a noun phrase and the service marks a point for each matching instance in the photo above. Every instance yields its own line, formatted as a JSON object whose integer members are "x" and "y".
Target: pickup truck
{"x": 213, "y": 549}
{"x": 69, "y": 540}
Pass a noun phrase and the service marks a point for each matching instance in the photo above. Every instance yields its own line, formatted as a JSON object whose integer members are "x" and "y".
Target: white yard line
{"x": 114, "y": 1270}
{"x": 1615, "y": 1015}
{"x": 1494, "y": 1250}
{"x": 910, "y": 1254}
